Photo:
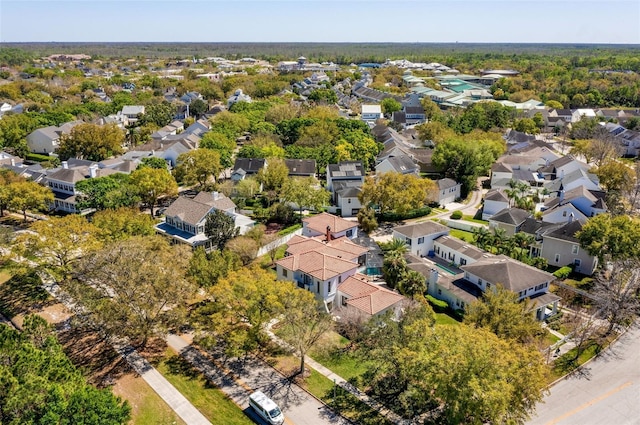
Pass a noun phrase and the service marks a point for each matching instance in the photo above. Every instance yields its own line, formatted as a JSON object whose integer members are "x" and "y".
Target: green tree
{"x": 367, "y": 219}
{"x": 220, "y": 228}
{"x": 412, "y": 283}
{"x": 122, "y": 223}
{"x": 159, "y": 114}
{"x": 394, "y": 267}
{"x": 198, "y": 107}
{"x": 238, "y": 310}
{"x": 396, "y": 192}
{"x": 221, "y": 144}
{"x": 303, "y": 322}
{"x": 465, "y": 160}
{"x": 305, "y": 192}
{"x": 57, "y": 244}
{"x": 92, "y": 142}
{"x": 153, "y": 162}
{"x": 112, "y": 191}
{"x": 41, "y": 385}
{"x": 152, "y": 184}
{"x": 390, "y": 105}
{"x": 526, "y": 125}
{"x": 7, "y": 177}
{"x": 273, "y": 175}
{"x": 206, "y": 269}
{"x": 615, "y": 176}
{"x": 198, "y": 166}
{"x": 129, "y": 291}
{"x": 29, "y": 195}
{"x": 611, "y": 238}
{"x": 501, "y": 312}
{"x": 323, "y": 96}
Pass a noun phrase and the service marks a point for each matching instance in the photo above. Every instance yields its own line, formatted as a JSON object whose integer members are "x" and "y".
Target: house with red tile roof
{"x": 329, "y": 225}
{"x": 358, "y": 295}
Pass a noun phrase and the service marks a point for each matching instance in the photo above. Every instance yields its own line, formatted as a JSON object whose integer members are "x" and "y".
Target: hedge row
{"x": 420, "y": 212}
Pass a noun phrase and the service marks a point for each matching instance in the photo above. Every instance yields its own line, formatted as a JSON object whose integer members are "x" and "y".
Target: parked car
{"x": 266, "y": 408}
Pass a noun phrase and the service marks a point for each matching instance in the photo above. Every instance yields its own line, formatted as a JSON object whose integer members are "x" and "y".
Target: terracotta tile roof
{"x": 320, "y": 222}
{"x": 366, "y": 297}
{"x": 316, "y": 264}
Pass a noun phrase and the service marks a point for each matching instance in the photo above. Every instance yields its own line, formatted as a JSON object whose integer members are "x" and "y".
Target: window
{"x": 488, "y": 285}
{"x": 557, "y": 258}
{"x": 577, "y": 262}
{"x": 318, "y": 287}
{"x": 463, "y": 261}
{"x": 285, "y": 272}
{"x": 349, "y": 201}
{"x": 420, "y": 240}
{"x": 439, "y": 291}
{"x": 575, "y": 249}
{"x": 339, "y": 279}
{"x": 349, "y": 233}
{"x": 330, "y": 285}
{"x": 564, "y": 213}
{"x": 344, "y": 301}
{"x": 479, "y": 282}
{"x": 408, "y": 241}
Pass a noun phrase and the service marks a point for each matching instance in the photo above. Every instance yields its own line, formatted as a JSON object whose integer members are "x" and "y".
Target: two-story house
{"x": 185, "y": 218}
{"x": 448, "y": 191}
{"x": 357, "y": 295}
{"x": 371, "y": 113}
{"x": 329, "y": 226}
{"x": 561, "y": 247}
{"x": 419, "y": 237}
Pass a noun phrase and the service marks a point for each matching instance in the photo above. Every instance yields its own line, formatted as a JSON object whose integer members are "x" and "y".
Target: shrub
{"x": 390, "y": 216}
{"x": 563, "y": 272}
{"x": 289, "y": 229}
{"x": 439, "y": 306}
{"x": 456, "y": 215}
{"x": 37, "y": 157}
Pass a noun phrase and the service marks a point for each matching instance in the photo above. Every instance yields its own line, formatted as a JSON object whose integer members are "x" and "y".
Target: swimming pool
{"x": 452, "y": 273}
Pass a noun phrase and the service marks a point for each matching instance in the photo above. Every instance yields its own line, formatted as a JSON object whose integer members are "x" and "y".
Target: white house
{"x": 402, "y": 164}
{"x": 494, "y": 201}
{"x": 132, "y": 112}
{"x": 419, "y": 237}
{"x": 371, "y": 113}
{"x": 448, "y": 191}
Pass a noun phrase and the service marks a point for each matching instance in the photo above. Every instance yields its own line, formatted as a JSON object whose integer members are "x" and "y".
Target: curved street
{"x": 605, "y": 391}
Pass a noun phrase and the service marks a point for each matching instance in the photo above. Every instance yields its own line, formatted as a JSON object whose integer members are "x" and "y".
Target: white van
{"x": 266, "y": 408}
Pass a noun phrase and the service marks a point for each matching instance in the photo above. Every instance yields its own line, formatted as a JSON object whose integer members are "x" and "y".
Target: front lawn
{"x": 474, "y": 220}
{"x": 210, "y": 400}
{"x": 445, "y": 319}
{"x": 568, "y": 363}
{"x": 333, "y": 352}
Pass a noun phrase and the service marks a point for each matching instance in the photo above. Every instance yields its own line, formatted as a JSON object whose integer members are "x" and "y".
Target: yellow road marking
{"x": 590, "y": 403}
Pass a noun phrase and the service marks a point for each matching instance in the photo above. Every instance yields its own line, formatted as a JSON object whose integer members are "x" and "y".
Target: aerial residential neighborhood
{"x": 374, "y": 240}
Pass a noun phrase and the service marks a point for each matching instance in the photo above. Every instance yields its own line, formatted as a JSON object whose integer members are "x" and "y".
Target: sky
{"x": 424, "y": 21}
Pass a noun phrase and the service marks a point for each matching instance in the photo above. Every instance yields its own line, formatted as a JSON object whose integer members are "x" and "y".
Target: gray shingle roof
{"x": 421, "y": 229}
{"x": 249, "y": 165}
{"x": 513, "y": 216}
{"x": 188, "y": 210}
{"x": 513, "y": 275}
{"x": 299, "y": 167}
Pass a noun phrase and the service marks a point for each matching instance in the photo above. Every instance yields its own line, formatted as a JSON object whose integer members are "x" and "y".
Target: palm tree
{"x": 395, "y": 245}
{"x": 523, "y": 241}
{"x": 499, "y": 239}
{"x": 482, "y": 237}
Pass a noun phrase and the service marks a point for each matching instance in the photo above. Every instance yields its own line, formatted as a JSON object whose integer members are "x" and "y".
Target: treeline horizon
{"x": 340, "y": 53}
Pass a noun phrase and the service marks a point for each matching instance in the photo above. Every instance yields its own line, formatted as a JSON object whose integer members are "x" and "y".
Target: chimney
{"x": 433, "y": 277}
{"x": 13, "y": 162}
{"x": 570, "y": 219}
{"x": 93, "y": 171}
{"x": 215, "y": 195}
{"x": 328, "y": 235}
{"x": 561, "y": 196}
{"x": 65, "y": 165}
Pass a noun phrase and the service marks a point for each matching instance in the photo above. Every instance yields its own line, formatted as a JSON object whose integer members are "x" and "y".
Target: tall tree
{"x": 611, "y": 238}
{"x": 500, "y": 312}
{"x": 616, "y": 292}
{"x": 220, "y": 228}
{"x": 396, "y": 192}
{"x": 40, "y": 385}
{"x": 198, "y": 166}
{"x": 390, "y": 105}
{"x": 303, "y": 323}
{"x": 220, "y": 143}
{"x": 305, "y": 192}
{"x": 129, "y": 291}
{"x": 273, "y": 175}
{"x": 57, "y": 244}
{"x": 28, "y": 195}
{"x": 152, "y": 184}
{"x": 113, "y": 191}
{"x": 6, "y": 191}
{"x": 92, "y": 142}
{"x": 122, "y": 223}
{"x": 159, "y": 114}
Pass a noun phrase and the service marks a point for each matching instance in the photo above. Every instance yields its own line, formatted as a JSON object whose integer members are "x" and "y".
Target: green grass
{"x": 474, "y": 220}
{"x": 342, "y": 401}
{"x": 462, "y": 234}
{"x": 568, "y": 363}
{"x": 445, "y": 319}
{"x": 550, "y": 338}
{"x": 207, "y": 398}
{"x": 342, "y": 363}
{"x": 149, "y": 409}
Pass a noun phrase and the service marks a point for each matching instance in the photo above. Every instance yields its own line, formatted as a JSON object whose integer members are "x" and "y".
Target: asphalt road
{"x": 606, "y": 391}
{"x": 298, "y": 406}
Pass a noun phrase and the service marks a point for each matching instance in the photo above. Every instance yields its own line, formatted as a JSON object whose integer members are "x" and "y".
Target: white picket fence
{"x": 278, "y": 242}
